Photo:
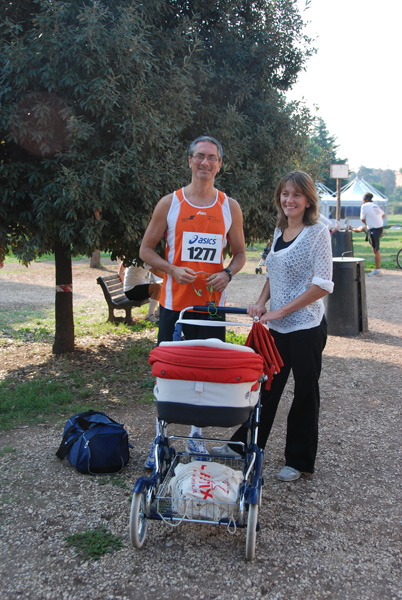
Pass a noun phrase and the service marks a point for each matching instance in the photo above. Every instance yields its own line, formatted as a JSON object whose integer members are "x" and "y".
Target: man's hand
{"x": 183, "y": 275}
{"x": 219, "y": 280}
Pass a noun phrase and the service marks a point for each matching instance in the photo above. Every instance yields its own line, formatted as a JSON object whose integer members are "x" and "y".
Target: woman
{"x": 299, "y": 275}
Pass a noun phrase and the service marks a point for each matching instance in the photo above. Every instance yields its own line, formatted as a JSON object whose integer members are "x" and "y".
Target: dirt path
{"x": 333, "y": 535}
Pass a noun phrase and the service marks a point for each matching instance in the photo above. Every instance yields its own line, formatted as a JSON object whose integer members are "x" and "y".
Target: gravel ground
{"x": 333, "y": 535}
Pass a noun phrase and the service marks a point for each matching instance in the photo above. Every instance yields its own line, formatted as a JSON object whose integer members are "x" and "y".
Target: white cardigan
{"x": 293, "y": 270}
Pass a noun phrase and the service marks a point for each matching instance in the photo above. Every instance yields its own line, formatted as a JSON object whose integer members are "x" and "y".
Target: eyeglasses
{"x": 212, "y": 158}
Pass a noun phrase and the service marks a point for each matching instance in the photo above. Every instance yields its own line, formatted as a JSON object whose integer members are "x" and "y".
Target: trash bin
{"x": 342, "y": 243}
{"x": 346, "y": 308}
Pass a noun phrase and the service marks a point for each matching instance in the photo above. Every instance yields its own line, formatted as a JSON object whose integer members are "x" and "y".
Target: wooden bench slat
{"x": 112, "y": 288}
{"x": 108, "y": 278}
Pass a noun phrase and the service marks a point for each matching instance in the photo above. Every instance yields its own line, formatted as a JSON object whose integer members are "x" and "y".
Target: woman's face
{"x": 293, "y": 202}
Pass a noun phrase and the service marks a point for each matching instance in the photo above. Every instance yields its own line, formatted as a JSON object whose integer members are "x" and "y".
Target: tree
{"x": 320, "y": 152}
{"x": 99, "y": 101}
{"x": 383, "y": 177}
{"x": 395, "y": 201}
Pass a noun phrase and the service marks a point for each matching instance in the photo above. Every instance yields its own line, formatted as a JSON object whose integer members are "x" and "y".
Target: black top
{"x": 281, "y": 244}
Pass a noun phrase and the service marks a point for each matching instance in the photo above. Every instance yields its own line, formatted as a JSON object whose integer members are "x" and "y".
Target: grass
{"x": 50, "y": 257}
{"x": 114, "y": 480}
{"x": 32, "y": 402}
{"x": 110, "y": 366}
{"x": 8, "y": 450}
{"x": 389, "y": 245}
{"x": 93, "y": 544}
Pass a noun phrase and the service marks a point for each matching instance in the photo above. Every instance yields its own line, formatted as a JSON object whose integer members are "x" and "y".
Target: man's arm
{"x": 237, "y": 244}
{"x": 362, "y": 215}
{"x": 236, "y": 238}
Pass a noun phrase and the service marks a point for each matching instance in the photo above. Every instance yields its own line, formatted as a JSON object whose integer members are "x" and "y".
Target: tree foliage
{"x": 382, "y": 177}
{"x": 319, "y": 153}
{"x": 99, "y": 101}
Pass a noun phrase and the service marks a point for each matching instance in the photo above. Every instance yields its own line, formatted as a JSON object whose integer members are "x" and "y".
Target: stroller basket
{"x": 175, "y": 509}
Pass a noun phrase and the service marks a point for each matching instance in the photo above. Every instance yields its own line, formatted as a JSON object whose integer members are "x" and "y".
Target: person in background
{"x": 138, "y": 286}
{"x": 299, "y": 275}
{"x": 197, "y": 222}
{"x": 373, "y": 218}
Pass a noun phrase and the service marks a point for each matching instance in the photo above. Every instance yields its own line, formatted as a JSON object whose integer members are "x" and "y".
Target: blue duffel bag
{"x": 94, "y": 443}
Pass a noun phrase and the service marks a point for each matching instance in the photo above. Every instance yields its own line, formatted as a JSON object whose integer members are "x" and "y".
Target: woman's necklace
{"x": 291, "y": 234}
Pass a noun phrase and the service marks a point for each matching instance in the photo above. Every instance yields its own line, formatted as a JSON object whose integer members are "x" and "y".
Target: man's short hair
{"x": 205, "y": 138}
{"x": 368, "y": 197}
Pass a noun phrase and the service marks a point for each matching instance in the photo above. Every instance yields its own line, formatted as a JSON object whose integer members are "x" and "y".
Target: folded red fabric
{"x": 262, "y": 342}
{"x": 201, "y": 363}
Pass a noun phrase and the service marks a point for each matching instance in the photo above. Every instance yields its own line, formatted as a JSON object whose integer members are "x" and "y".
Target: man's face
{"x": 205, "y": 163}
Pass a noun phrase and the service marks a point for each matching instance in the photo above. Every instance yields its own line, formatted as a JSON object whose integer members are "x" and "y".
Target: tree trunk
{"x": 64, "y": 336}
{"x": 95, "y": 260}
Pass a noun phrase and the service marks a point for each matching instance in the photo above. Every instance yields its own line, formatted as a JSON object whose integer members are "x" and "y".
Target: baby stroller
{"x": 264, "y": 254}
{"x": 206, "y": 383}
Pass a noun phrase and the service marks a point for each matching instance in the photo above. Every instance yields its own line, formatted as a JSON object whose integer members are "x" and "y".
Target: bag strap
{"x": 85, "y": 423}
{"x": 65, "y": 447}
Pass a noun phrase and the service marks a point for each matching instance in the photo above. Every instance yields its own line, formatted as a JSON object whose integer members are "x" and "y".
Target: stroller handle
{"x": 224, "y": 310}
{"x": 212, "y": 310}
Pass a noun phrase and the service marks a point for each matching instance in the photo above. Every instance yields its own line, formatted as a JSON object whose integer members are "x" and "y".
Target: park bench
{"x": 116, "y": 299}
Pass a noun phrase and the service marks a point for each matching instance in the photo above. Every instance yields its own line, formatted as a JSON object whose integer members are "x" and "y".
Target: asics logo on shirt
{"x": 200, "y": 240}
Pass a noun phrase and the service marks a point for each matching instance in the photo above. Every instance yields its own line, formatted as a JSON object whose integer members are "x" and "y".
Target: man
{"x": 197, "y": 221}
{"x": 372, "y": 216}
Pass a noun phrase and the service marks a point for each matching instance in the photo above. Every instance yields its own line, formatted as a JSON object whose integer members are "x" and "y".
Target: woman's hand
{"x": 271, "y": 315}
{"x": 256, "y": 310}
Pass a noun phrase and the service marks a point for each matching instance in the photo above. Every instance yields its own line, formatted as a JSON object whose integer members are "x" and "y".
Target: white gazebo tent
{"x": 351, "y": 200}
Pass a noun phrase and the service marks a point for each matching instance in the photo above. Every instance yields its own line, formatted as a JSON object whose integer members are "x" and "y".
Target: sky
{"x": 354, "y": 80}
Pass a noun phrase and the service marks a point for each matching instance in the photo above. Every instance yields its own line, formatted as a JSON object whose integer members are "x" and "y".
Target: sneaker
{"x": 374, "y": 273}
{"x": 150, "y": 461}
{"x": 196, "y": 447}
{"x": 289, "y": 474}
{"x": 225, "y": 452}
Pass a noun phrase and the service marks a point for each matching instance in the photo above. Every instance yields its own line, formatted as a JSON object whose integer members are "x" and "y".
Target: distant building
{"x": 351, "y": 200}
{"x": 398, "y": 179}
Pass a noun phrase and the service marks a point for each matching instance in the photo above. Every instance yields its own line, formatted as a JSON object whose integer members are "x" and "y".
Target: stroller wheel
{"x": 138, "y": 519}
{"x": 251, "y": 531}
{"x": 258, "y": 271}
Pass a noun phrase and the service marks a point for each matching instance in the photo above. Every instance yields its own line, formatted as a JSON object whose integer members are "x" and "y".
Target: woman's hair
{"x": 305, "y": 185}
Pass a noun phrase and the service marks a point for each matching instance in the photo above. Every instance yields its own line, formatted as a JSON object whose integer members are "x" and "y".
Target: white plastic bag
{"x": 207, "y": 490}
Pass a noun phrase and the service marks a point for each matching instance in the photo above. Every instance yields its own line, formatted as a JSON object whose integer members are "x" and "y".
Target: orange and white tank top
{"x": 196, "y": 237}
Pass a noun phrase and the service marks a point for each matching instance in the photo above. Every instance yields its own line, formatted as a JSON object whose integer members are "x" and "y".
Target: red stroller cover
{"x": 262, "y": 342}
{"x": 205, "y": 363}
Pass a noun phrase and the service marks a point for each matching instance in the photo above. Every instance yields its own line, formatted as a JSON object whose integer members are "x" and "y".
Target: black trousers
{"x": 301, "y": 352}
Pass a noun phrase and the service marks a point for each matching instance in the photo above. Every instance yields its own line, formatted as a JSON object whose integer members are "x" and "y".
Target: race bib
{"x": 201, "y": 247}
